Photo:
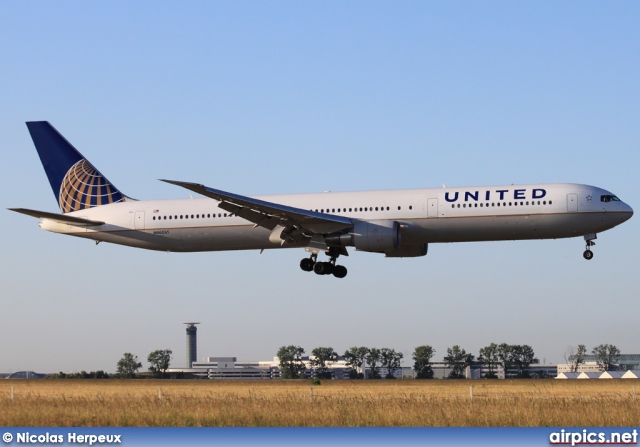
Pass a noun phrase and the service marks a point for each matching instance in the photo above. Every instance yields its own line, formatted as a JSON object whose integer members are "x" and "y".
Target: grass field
{"x": 520, "y": 403}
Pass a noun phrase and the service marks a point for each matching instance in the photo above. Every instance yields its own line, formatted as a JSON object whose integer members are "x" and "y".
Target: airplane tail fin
{"x": 75, "y": 182}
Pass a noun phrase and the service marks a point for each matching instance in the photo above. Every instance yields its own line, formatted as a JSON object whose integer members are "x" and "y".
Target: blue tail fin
{"x": 75, "y": 182}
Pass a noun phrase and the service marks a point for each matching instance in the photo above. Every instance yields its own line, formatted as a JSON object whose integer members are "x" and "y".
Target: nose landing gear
{"x": 589, "y": 238}
{"x": 324, "y": 268}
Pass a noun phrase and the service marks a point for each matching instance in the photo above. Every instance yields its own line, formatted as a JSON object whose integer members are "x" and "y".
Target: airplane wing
{"x": 269, "y": 214}
{"x": 63, "y": 218}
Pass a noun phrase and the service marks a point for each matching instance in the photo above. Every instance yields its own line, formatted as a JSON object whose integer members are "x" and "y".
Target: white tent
{"x": 611, "y": 375}
{"x": 568, "y": 375}
{"x": 589, "y": 375}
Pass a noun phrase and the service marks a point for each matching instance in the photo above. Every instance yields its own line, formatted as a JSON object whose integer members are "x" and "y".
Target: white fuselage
{"x": 426, "y": 216}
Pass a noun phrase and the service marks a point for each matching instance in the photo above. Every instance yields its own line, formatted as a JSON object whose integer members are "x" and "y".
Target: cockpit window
{"x": 609, "y": 198}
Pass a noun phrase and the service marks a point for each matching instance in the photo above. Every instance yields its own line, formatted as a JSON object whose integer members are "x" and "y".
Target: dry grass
{"x": 529, "y": 403}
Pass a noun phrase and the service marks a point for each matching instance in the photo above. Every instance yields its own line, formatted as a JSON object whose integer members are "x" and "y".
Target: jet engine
{"x": 377, "y": 236}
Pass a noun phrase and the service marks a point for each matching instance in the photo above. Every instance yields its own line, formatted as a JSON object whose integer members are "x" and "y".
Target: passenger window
{"x": 410, "y": 207}
{"x": 550, "y": 202}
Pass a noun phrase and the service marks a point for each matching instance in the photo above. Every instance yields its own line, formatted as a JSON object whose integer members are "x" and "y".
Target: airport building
{"x": 229, "y": 368}
{"x": 626, "y": 362}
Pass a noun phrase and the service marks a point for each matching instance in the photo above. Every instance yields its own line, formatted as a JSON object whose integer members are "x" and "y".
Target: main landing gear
{"x": 589, "y": 238}
{"x": 324, "y": 268}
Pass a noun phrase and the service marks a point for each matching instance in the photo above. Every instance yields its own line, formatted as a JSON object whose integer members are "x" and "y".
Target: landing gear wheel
{"x": 588, "y": 254}
{"x": 339, "y": 271}
{"x": 322, "y": 268}
{"x": 328, "y": 268}
{"x": 307, "y": 264}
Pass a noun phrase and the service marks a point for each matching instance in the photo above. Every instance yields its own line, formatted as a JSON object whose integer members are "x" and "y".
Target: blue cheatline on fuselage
{"x": 75, "y": 182}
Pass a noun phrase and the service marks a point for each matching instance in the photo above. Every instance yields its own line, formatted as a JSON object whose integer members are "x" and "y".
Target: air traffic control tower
{"x": 192, "y": 349}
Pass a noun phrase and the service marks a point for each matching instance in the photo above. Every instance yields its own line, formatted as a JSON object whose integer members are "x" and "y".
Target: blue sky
{"x": 278, "y": 97}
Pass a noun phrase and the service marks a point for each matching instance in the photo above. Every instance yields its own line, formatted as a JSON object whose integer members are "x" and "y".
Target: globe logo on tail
{"x": 85, "y": 187}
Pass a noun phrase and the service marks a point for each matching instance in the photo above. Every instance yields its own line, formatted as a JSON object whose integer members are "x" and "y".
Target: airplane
{"x": 396, "y": 223}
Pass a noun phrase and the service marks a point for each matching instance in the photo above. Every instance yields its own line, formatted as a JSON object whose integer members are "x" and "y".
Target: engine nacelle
{"x": 408, "y": 251}
{"x": 377, "y": 236}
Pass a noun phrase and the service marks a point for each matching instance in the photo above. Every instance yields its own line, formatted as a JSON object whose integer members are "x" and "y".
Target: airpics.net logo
{"x": 71, "y": 438}
{"x": 590, "y": 437}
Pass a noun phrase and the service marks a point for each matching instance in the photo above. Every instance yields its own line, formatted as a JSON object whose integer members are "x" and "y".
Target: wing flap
{"x": 62, "y": 218}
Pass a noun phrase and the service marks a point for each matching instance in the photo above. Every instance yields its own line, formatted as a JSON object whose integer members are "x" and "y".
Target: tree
{"x": 458, "y": 359}
{"x": 372, "y": 358}
{"x": 159, "y": 361}
{"x": 606, "y": 356}
{"x": 523, "y": 356}
{"x": 517, "y": 357}
{"x": 422, "y": 361}
{"x": 354, "y": 358}
{"x": 291, "y": 365}
{"x": 128, "y": 365}
{"x": 505, "y": 356}
{"x": 575, "y": 357}
{"x": 390, "y": 359}
{"x": 489, "y": 358}
{"x": 322, "y": 358}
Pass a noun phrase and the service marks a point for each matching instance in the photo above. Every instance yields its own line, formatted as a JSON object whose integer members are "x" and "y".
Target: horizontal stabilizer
{"x": 63, "y": 218}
